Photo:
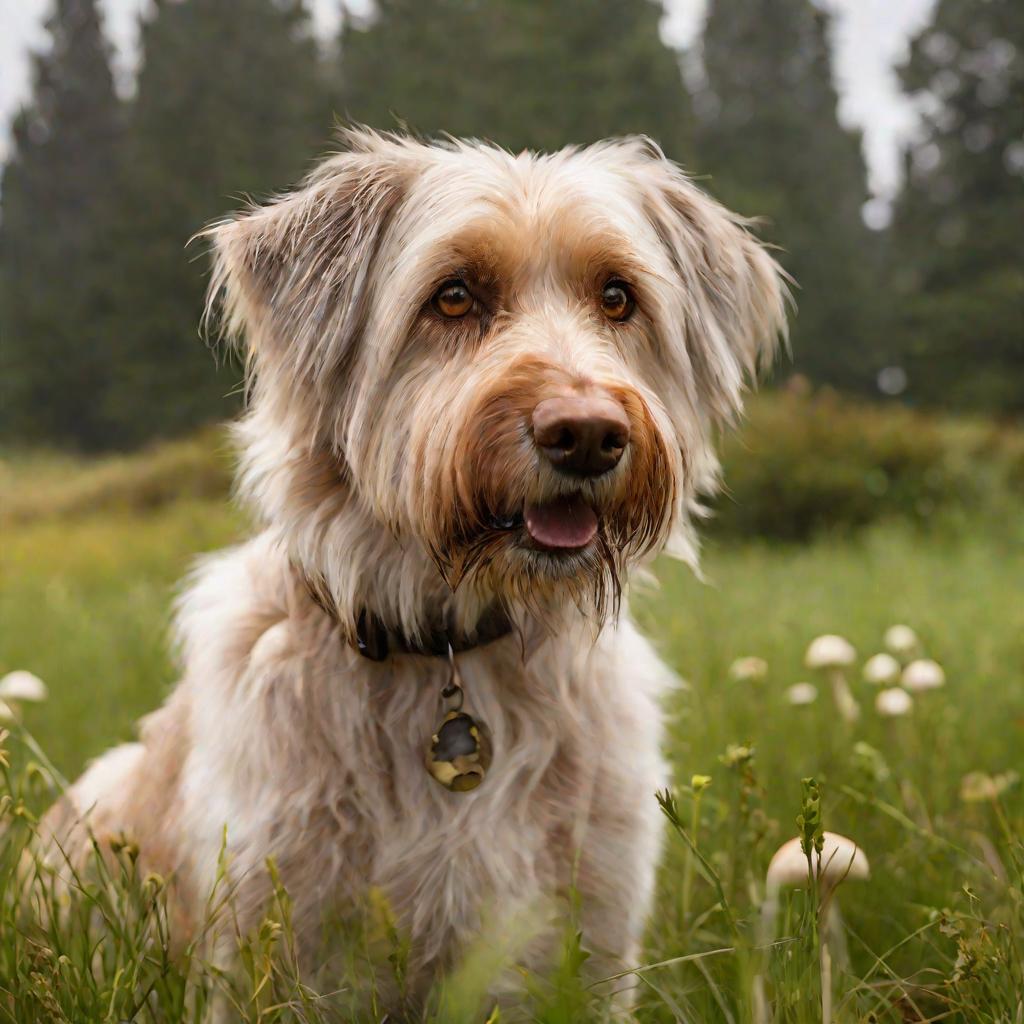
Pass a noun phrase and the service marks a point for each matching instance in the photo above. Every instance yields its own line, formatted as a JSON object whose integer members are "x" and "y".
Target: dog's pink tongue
{"x": 563, "y": 523}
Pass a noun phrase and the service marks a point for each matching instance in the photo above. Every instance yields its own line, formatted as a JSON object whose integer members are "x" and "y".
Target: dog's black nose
{"x": 581, "y": 435}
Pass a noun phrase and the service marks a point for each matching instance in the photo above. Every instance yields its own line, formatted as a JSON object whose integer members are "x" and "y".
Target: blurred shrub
{"x": 55, "y": 486}
{"x": 800, "y": 465}
{"x": 805, "y": 464}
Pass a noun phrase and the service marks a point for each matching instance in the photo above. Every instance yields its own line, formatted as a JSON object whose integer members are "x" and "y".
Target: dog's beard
{"x": 500, "y": 561}
{"x": 496, "y": 553}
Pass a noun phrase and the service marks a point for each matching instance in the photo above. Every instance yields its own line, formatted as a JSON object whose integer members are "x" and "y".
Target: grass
{"x": 932, "y": 853}
{"x": 86, "y": 606}
{"x": 936, "y": 933}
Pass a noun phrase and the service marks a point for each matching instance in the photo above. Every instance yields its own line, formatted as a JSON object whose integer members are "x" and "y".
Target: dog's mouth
{"x": 565, "y": 524}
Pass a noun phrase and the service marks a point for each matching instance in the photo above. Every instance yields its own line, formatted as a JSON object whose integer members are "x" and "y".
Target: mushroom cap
{"x": 22, "y": 686}
{"x": 830, "y": 651}
{"x": 900, "y": 639}
{"x": 880, "y": 669}
{"x": 840, "y": 858}
{"x": 802, "y": 693}
{"x": 893, "y": 702}
{"x": 923, "y": 674}
{"x": 750, "y": 669}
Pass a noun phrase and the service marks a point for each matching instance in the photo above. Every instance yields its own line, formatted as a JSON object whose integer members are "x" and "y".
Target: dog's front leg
{"x": 615, "y": 883}
{"x": 618, "y": 831}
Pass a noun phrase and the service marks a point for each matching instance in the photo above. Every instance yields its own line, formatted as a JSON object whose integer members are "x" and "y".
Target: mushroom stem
{"x": 829, "y": 931}
{"x": 836, "y": 935}
{"x": 825, "y": 959}
{"x": 759, "y": 1001}
{"x": 848, "y": 707}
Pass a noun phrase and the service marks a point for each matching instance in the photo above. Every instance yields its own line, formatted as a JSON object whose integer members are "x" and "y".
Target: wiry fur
{"x": 379, "y": 442}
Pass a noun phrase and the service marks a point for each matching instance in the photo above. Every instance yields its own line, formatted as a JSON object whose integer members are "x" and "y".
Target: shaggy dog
{"x": 482, "y": 389}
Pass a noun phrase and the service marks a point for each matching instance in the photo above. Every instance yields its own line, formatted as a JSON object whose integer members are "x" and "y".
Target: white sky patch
{"x": 869, "y": 37}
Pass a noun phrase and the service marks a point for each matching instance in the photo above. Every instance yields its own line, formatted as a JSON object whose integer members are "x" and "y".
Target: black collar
{"x": 374, "y": 640}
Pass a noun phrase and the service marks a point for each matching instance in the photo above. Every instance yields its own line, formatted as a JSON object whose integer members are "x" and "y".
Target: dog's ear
{"x": 733, "y": 294}
{"x": 291, "y": 278}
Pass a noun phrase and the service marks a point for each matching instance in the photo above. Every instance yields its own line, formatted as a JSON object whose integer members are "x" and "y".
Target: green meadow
{"x": 92, "y": 555}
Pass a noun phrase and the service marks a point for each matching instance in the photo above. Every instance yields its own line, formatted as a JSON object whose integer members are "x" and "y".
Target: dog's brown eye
{"x": 617, "y": 302}
{"x": 452, "y": 299}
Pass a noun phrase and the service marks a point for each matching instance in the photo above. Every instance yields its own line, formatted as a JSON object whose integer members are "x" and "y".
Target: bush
{"x": 56, "y": 486}
{"x": 802, "y": 465}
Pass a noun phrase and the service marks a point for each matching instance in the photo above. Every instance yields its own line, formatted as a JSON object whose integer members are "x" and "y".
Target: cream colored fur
{"x": 376, "y": 440}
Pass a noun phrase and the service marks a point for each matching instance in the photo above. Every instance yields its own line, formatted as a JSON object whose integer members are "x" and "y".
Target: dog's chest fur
{"x": 314, "y": 756}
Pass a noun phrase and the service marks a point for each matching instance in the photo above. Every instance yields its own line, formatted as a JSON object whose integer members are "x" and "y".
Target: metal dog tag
{"x": 459, "y": 752}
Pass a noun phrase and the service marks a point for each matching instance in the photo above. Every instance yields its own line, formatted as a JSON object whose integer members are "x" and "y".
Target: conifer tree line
{"x": 100, "y": 299}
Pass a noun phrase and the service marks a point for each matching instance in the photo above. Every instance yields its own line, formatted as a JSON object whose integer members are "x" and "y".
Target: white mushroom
{"x": 840, "y": 859}
{"x": 802, "y": 693}
{"x": 901, "y": 641}
{"x": 6, "y": 712}
{"x": 832, "y": 654}
{"x": 22, "y": 686}
{"x": 751, "y": 669}
{"x": 923, "y": 674}
{"x": 881, "y": 670}
{"x": 830, "y": 651}
{"x": 893, "y": 702}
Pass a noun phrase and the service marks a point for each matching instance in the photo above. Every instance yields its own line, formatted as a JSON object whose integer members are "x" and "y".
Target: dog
{"x": 482, "y": 390}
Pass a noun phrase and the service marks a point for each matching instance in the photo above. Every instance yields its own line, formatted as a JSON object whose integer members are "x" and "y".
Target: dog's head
{"x": 514, "y": 361}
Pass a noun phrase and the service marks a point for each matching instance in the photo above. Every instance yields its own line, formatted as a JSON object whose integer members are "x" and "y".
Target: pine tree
{"x": 523, "y": 73}
{"x": 769, "y": 136}
{"x": 231, "y": 103}
{"x": 957, "y": 249}
{"x": 54, "y": 245}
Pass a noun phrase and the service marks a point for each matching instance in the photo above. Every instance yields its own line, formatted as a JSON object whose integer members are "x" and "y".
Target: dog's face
{"x": 517, "y": 361}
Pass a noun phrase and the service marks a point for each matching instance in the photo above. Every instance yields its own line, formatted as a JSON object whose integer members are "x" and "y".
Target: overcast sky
{"x": 869, "y": 37}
